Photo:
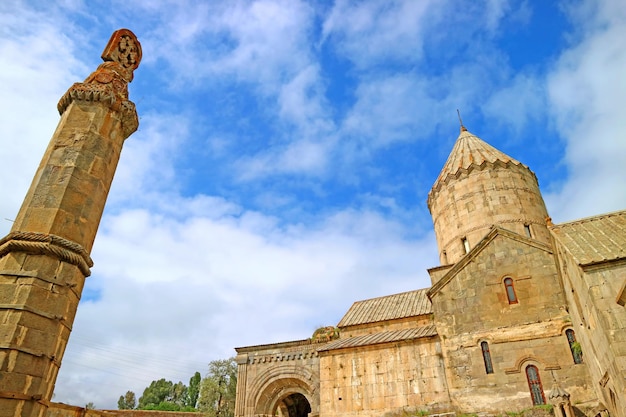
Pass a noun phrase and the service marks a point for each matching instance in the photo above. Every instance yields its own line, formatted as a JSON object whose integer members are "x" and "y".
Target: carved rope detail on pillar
{"x": 109, "y": 83}
{"x": 47, "y": 244}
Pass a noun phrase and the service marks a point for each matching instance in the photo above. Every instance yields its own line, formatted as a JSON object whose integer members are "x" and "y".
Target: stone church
{"x": 521, "y": 312}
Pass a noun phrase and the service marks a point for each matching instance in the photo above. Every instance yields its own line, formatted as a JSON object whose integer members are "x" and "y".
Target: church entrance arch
{"x": 294, "y": 405}
{"x": 287, "y": 397}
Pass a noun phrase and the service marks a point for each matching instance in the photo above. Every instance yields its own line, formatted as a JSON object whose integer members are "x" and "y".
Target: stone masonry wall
{"x": 63, "y": 410}
{"x": 384, "y": 378}
{"x": 600, "y": 326}
{"x": 473, "y": 307}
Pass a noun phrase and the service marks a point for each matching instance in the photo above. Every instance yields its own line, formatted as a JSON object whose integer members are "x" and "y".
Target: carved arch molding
{"x": 277, "y": 387}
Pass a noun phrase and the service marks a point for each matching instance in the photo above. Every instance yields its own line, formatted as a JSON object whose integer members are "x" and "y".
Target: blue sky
{"x": 285, "y": 152}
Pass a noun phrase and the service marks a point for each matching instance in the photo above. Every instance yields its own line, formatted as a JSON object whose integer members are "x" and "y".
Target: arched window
{"x": 534, "y": 383}
{"x": 510, "y": 291}
{"x": 527, "y": 230}
{"x": 574, "y": 346}
{"x": 466, "y": 245}
{"x": 484, "y": 346}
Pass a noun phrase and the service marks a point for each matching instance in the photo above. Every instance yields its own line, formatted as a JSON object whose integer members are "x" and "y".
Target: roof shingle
{"x": 397, "y": 306}
{"x": 383, "y": 337}
{"x": 594, "y": 239}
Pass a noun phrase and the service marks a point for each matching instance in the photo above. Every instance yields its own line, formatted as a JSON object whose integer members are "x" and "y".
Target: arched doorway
{"x": 294, "y": 405}
{"x": 286, "y": 394}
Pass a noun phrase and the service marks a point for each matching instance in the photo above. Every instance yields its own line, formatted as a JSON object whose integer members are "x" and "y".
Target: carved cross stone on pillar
{"x": 44, "y": 260}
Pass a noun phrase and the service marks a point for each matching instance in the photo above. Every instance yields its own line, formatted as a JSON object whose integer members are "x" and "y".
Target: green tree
{"x": 90, "y": 406}
{"x": 127, "y": 401}
{"x": 194, "y": 390}
{"x": 218, "y": 389}
{"x": 158, "y": 392}
{"x": 179, "y": 394}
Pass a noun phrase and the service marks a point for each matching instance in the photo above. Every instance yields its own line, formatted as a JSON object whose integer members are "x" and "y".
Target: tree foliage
{"x": 127, "y": 401}
{"x": 194, "y": 390}
{"x": 161, "y": 395}
{"x": 214, "y": 394}
{"x": 156, "y": 393}
{"x": 218, "y": 389}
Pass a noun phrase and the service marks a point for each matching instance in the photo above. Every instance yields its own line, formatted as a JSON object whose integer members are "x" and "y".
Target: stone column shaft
{"x": 45, "y": 259}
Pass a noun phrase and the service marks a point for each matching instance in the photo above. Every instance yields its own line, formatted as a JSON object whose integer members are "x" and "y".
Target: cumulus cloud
{"x": 196, "y": 287}
{"x": 586, "y": 92}
{"x": 379, "y": 31}
{"x": 38, "y": 65}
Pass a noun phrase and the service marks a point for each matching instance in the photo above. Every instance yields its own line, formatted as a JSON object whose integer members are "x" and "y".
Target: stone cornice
{"x": 282, "y": 357}
{"x": 105, "y": 94}
{"x": 465, "y": 172}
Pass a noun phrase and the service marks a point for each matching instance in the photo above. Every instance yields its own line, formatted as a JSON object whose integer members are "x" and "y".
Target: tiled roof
{"x": 594, "y": 239}
{"x": 397, "y": 306}
{"x": 471, "y": 150}
{"x": 382, "y": 337}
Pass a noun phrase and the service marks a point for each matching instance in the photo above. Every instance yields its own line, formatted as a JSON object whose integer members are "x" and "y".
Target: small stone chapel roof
{"x": 390, "y": 307}
{"x": 381, "y": 337}
{"x": 594, "y": 239}
{"x": 470, "y": 150}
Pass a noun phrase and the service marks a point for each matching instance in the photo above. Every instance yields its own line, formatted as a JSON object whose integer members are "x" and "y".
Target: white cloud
{"x": 586, "y": 90}
{"x": 149, "y": 157}
{"x": 193, "y": 288}
{"x": 370, "y": 32}
{"x": 38, "y": 65}
{"x": 521, "y": 102}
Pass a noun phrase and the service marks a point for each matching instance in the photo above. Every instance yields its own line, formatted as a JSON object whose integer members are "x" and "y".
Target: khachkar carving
{"x": 109, "y": 83}
{"x": 45, "y": 258}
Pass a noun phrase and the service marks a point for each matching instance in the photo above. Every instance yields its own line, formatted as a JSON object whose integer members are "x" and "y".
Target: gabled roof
{"x": 397, "y": 306}
{"x": 381, "y": 337}
{"x": 476, "y": 250}
{"x": 469, "y": 150}
{"x": 595, "y": 239}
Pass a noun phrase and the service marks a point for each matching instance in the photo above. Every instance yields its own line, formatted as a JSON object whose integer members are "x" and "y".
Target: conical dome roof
{"x": 480, "y": 187}
{"x": 470, "y": 150}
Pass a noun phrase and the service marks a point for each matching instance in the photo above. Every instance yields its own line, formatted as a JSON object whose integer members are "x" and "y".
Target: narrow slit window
{"x": 484, "y": 346}
{"x": 527, "y": 230}
{"x": 574, "y": 346}
{"x": 510, "y": 291}
{"x": 534, "y": 384}
{"x": 466, "y": 245}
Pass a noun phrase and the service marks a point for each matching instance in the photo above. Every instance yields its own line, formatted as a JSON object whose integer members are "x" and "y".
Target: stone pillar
{"x": 242, "y": 380}
{"x": 44, "y": 260}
